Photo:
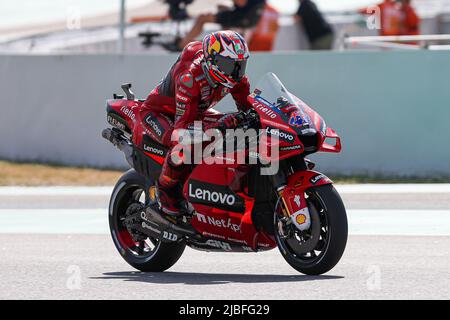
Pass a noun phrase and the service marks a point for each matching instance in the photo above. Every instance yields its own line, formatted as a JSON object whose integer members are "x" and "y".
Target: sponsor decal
{"x": 210, "y": 119}
{"x": 317, "y": 178}
{"x": 154, "y": 125}
{"x": 297, "y": 200}
{"x": 282, "y": 135}
{"x": 208, "y": 234}
{"x": 115, "y": 123}
{"x": 221, "y": 223}
{"x": 296, "y": 119}
{"x": 290, "y": 148}
{"x": 200, "y": 77}
{"x": 266, "y": 110}
{"x": 301, "y": 219}
{"x": 149, "y": 227}
{"x": 214, "y": 195}
{"x": 205, "y": 92}
{"x": 183, "y": 90}
{"x": 274, "y": 124}
{"x": 187, "y": 80}
{"x": 237, "y": 240}
{"x": 153, "y": 150}
{"x": 219, "y": 244}
{"x": 298, "y": 182}
{"x": 246, "y": 248}
{"x": 211, "y": 196}
{"x": 128, "y": 112}
{"x": 182, "y": 98}
{"x": 170, "y": 236}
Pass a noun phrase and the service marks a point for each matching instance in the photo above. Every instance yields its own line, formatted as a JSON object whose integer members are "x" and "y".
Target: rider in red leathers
{"x": 202, "y": 75}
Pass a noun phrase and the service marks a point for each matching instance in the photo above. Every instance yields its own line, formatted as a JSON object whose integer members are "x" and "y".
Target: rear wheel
{"x": 318, "y": 249}
{"x": 142, "y": 252}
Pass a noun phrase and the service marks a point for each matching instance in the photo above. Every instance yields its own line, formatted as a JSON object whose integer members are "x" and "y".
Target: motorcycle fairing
{"x": 212, "y": 219}
{"x": 292, "y": 115}
{"x": 293, "y": 194}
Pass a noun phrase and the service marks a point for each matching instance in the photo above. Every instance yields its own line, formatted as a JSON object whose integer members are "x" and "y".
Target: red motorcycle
{"x": 232, "y": 207}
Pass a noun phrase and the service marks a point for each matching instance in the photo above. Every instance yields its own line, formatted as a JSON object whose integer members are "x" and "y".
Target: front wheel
{"x": 142, "y": 252}
{"x": 318, "y": 249}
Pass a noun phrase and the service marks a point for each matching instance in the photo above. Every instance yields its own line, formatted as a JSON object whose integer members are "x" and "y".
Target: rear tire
{"x": 129, "y": 189}
{"x": 327, "y": 203}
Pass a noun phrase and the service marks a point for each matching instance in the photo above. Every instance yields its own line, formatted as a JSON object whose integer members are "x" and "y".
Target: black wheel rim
{"x": 139, "y": 250}
{"x": 314, "y": 256}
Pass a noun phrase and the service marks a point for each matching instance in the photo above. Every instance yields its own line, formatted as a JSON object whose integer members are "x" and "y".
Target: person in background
{"x": 262, "y": 37}
{"x": 390, "y": 17}
{"x": 410, "y": 21}
{"x": 318, "y": 30}
{"x": 244, "y": 14}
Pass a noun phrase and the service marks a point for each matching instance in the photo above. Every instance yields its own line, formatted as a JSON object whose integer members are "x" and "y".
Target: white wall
{"x": 392, "y": 109}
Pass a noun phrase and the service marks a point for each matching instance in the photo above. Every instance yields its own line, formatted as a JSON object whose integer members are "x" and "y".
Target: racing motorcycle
{"x": 232, "y": 207}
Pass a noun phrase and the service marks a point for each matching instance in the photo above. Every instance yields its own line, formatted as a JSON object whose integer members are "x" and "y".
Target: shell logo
{"x": 300, "y": 219}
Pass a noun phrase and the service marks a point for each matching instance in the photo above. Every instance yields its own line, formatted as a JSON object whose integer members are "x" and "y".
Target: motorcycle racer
{"x": 204, "y": 73}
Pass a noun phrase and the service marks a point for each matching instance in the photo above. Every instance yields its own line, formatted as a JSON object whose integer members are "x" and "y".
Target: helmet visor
{"x": 230, "y": 67}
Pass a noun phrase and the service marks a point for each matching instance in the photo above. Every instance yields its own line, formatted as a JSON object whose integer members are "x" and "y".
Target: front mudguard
{"x": 293, "y": 195}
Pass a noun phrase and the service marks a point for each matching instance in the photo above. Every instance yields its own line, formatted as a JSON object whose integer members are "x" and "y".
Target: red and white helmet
{"x": 225, "y": 54}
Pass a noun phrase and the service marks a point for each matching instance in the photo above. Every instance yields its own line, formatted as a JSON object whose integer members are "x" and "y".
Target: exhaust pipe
{"x": 116, "y": 137}
{"x": 154, "y": 216}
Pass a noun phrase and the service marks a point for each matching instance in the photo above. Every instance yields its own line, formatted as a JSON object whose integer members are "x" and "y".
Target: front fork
{"x": 290, "y": 184}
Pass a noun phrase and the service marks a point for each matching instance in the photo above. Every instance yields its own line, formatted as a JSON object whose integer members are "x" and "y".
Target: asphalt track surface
{"x": 54, "y": 244}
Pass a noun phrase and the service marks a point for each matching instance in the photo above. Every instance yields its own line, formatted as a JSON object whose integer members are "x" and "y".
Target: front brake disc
{"x": 312, "y": 234}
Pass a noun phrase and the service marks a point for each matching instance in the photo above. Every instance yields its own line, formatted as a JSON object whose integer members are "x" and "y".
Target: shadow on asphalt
{"x": 207, "y": 278}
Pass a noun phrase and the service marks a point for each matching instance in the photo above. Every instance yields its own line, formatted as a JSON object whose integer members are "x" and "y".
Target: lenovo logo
{"x": 280, "y": 134}
{"x": 153, "y": 150}
{"x": 211, "y": 196}
{"x": 154, "y": 125}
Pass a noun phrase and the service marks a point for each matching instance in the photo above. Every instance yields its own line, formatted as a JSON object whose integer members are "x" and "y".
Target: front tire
{"x": 149, "y": 255}
{"x": 325, "y": 203}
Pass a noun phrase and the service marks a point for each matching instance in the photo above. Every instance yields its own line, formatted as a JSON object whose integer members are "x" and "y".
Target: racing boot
{"x": 171, "y": 200}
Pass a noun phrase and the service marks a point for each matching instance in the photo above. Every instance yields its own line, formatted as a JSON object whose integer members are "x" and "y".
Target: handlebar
{"x": 247, "y": 119}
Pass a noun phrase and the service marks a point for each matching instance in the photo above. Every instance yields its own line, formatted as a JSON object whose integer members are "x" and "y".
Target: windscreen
{"x": 271, "y": 89}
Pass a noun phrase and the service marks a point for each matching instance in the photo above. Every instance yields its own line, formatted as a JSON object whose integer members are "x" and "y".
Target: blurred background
{"x": 376, "y": 71}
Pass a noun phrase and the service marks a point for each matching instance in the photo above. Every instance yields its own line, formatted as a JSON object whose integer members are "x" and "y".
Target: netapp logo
{"x": 221, "y": 223}
{"x": 211, "y": 196}
{"x": 153, "y": 150}
{"x": 280, "y": 134}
